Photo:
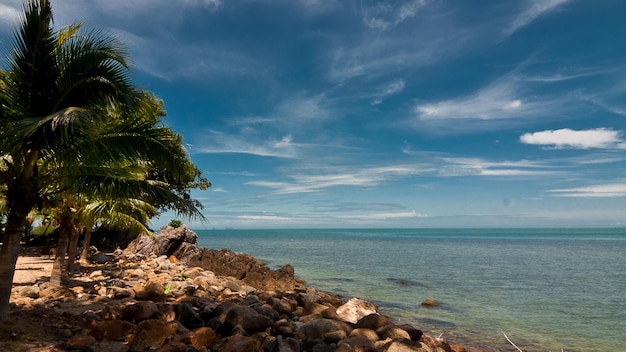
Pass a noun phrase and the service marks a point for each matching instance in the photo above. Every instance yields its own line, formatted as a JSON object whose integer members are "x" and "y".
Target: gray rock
{"x": 249, "y": 319}
{"x": 355, "y": 309}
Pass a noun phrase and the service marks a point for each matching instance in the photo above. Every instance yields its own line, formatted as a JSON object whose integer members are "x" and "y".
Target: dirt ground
{"x": 33, "y": 329}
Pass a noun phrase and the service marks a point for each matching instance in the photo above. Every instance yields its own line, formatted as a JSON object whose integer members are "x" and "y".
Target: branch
{"x": 511, "y": 342}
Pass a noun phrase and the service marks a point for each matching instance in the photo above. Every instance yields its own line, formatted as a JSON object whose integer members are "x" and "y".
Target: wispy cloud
{"x": 375, "y": 176}
{"x": 383, "y": 216}
{"x": 390, "y": 89}
{"x": 223, "y": 143}
{"x": 388, "y": 14}
{"x": 583, "y": 139}
{"x": 500, "y": 100}
{"x": 595, "y": 191}
{"x": 9, "y": 14}
{"x": 456, "y": 167}
{"x": 533, "y": 10}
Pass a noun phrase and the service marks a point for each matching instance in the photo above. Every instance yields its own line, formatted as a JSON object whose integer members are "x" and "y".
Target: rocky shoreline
{"x": 164, "y": 293}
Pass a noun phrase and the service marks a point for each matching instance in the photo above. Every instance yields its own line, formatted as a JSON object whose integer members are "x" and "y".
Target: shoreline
{"x": 104, "y": 298}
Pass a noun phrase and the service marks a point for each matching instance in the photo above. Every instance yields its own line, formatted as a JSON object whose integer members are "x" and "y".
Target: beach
{"x": 140, "y": 299}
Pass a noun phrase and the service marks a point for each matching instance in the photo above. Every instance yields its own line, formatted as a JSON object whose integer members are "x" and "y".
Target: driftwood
{"x": 511, "y": 342}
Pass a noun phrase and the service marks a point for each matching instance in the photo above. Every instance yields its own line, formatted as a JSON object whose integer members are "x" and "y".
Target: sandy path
{"x": 29, "y": 269}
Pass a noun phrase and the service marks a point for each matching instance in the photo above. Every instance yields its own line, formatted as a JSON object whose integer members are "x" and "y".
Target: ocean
{"x": 546, "y": 289}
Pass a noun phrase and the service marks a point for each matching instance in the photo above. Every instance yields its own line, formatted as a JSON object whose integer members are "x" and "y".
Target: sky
{"x": 407, "y": 113}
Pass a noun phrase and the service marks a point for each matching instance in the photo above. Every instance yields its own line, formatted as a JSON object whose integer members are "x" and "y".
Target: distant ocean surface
{"x": 547, "y": 289}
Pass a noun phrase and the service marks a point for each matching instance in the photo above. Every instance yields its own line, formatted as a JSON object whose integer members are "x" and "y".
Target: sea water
{"x": 546, "y": 289}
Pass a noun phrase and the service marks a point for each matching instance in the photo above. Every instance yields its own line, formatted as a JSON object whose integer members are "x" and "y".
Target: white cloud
{"x": 596, "y": 191}
{"x": 223, "y": 143}
{"x": 500, "y": 100}
{"x": 535, "y": 9}
{"x": 385, "y": 15}
{"x": 301, "y": 108}
{"x": 392, "y": 88}
{"x": 583, "y": 139}
{"x": 9, "y": 14}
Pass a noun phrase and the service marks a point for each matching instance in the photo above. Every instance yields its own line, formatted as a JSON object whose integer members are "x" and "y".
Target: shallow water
{"x": 547, "y": 289}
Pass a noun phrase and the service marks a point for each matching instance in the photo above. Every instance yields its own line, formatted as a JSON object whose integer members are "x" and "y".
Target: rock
{"x": 355, "y": 309}
{"x": 30, "y": 291}
{"x": 249, "y": 319}
{"x": 242, "y": 344}
{"x": 140, "y": 311}
{"x": 372, "y": 321}
{"x": 152, "y": 332}
{"x": 178, "y": 242}
{"x": 280, "y": 344}
{"x": 323, "y": 329}
{"x": 244, "y": 267}
{"x": 201, "y": 337}
{"x": 187, "y": 316}
{"x": 429, "y": 302}
{"x": 392, "y": 332}
{"x": 109, "y": 346}
{"x": 401, "y": 346}
{"x": 355, "y": 343}
{"x": 414, "y": 333}
{"x": 153, "y": 291}
{"x": 111, "y": 329}
{"x": 369, "y": 334}
{"x": 80, "y": 341}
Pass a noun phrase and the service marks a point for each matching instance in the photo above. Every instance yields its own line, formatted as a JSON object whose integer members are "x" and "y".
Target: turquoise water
{"x": 547, "y": 289}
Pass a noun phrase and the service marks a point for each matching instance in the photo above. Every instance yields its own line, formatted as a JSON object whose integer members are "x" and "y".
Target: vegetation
{"x": 175, "y": 223}
{"x": 80, "y": 142}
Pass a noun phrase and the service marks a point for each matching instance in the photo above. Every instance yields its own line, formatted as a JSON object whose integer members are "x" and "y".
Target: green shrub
{"x": 175, "y": 223}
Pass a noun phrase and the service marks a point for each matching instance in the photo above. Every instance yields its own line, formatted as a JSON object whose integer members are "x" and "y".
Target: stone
{"x": 355, "y": 343}
{"x": 355, "y": 309}
{"x": 323, "y": 329}
{"x": 401, "y": 346}
{"x": 288, "y": 344}
{"x": 111, "y": 329}
{"x": 80, "y": 341}
{"x": 392, "y": 332}
{"x": 201, "y": 337}
{"x": 179, "y": 242}
{"x": 187, "y": 316}
{"x": 414, "y": 333}
{"x": 369, "y": 334}
{"x": 243, "y": 267}
{"x": 372, "y": 321}
{"x": 152, "y": 332}
{"x": 249, "y": 319}
{"x": 109, "y": 346}
{"x": 140, "y": 311}
{"x": 153, "y": 291}
{"x": 30, "y": 291}
{"x": 242, "y": 344}
{"x": 429, "y": 302}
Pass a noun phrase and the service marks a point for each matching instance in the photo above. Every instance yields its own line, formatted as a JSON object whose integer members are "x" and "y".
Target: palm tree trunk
{"x": 8, "y": 257}
{"x": 72, "y": 250}
{"x": 65, "y": 228}
{"x": 86, "y": 243}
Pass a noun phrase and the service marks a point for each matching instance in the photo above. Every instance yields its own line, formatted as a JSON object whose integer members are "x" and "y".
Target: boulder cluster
{"x": 163, "y": 293}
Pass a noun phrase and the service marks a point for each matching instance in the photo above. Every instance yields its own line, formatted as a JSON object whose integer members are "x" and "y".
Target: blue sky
{"x": 408, "y": 113}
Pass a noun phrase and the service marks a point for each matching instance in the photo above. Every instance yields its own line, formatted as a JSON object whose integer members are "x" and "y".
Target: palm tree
{"x": 51, "y": 92}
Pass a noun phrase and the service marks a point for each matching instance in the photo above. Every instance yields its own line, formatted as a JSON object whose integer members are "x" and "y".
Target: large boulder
{"x": 180, "y": 242}
{"x": 246, "y": 268}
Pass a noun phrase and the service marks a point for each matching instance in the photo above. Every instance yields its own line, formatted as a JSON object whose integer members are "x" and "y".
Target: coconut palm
{"x": 52, "y": 91}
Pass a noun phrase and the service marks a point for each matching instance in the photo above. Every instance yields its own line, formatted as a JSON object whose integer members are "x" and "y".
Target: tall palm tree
{"x": 51, "y": 91}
